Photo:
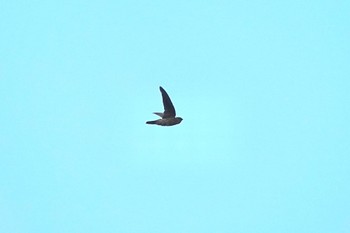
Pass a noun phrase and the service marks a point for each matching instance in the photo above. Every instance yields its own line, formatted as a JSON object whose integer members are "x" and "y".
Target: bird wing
{"x": 169, "y": 110}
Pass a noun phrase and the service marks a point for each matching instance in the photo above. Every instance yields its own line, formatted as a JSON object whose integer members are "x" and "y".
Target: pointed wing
{"x": 169, "y": 110}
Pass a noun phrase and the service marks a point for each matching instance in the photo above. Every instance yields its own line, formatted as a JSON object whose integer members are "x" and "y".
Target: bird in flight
{"x": 168, "y": 117}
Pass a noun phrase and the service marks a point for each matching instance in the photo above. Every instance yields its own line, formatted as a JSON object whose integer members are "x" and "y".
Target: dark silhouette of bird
{"x": 168, "y": 117}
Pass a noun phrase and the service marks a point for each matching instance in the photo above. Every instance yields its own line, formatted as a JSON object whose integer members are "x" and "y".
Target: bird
{"x": 168, "y": 117}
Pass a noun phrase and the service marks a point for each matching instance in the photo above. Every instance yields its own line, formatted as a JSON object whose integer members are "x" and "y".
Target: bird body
{"x": 168, "y": 118}
{"x": 166, "y": 121}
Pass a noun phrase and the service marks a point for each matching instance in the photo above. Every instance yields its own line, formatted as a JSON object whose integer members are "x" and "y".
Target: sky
{"x": 262, "y": 86}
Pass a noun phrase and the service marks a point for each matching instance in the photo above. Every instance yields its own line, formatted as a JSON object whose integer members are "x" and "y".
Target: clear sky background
{"x": 263, "y": 88}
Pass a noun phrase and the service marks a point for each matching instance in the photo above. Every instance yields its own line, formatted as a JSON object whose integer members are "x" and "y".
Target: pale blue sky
{"x": 262, "y": 86}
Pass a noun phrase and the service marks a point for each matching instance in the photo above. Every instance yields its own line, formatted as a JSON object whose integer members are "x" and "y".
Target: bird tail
{"x": 151, "y": 122}
{"x": 159, "y": 114}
